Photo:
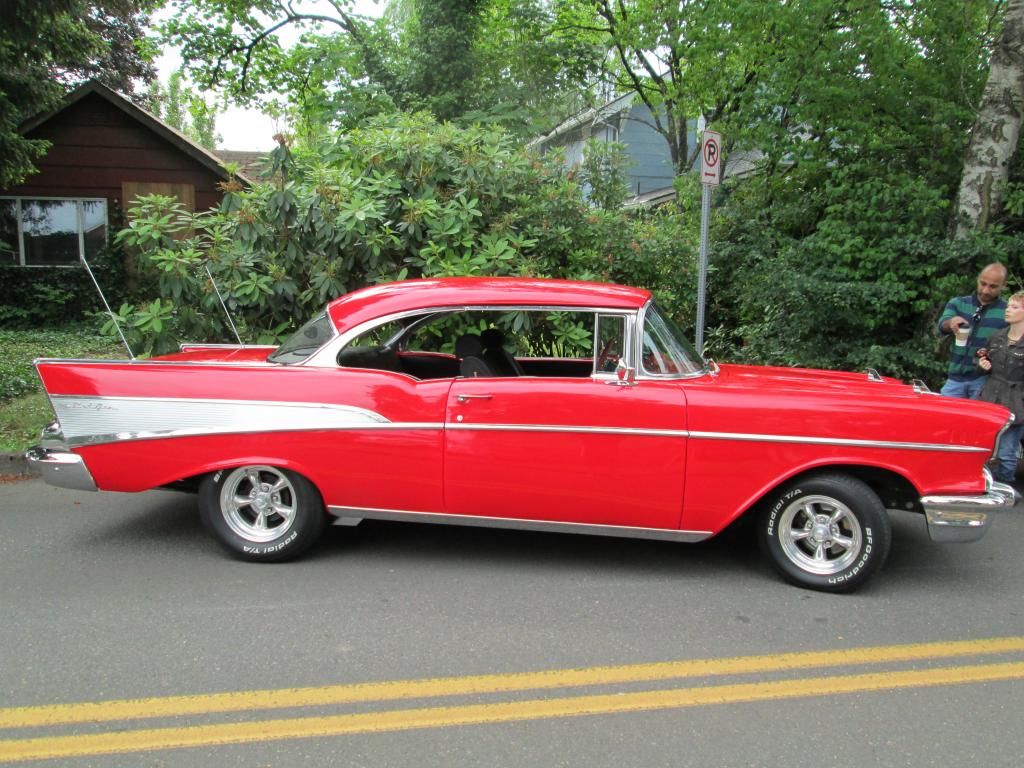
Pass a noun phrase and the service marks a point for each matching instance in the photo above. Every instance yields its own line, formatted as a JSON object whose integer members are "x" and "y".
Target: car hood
{"x": 810, "y": 379}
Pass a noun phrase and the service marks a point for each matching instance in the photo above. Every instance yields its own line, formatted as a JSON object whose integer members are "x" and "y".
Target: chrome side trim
{"x": 179, "y": 363}
{"x": 348, "y": 513}
{"x": 739, "y": 436}
{"x": 999, "y": 436}
{"x": 89, "y": 420}
{"x": 961, "y": 519}
{"x": 558, "y": 428}
{"x": 837, "y": 441}
{"x": 86, "y": 420}
{"x": 61, "y": 468}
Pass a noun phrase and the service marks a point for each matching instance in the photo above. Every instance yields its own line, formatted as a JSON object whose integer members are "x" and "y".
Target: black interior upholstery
{"x": 469, "y": 349}
{"x": 496, "y": 356}
{"x": 381, "y": 358}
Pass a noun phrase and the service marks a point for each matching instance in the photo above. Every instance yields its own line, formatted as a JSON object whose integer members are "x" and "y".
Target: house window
{"x": 49, "y": 232}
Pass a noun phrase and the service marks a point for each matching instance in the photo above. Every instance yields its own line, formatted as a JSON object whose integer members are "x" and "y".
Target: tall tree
{"x": 505, "y": 61}
{"x": 47, "y": 46}
{"x": 183, "y": 108}
{"x": 996, "y": 131}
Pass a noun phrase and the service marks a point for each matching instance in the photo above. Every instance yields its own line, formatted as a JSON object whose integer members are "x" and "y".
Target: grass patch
{"x": 24, "y": 409}
{"x": 22, "y": 420}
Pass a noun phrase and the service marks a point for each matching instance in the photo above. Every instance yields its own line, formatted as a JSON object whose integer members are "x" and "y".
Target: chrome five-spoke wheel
{"x": 820, "y": 534}
{"x": 258, "y": 503}
{"x": 827, "y": 531}
{"x": 261, "y": 512}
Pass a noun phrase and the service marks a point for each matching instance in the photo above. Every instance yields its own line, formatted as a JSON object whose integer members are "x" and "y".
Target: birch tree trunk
{"x": 996, "y": 128}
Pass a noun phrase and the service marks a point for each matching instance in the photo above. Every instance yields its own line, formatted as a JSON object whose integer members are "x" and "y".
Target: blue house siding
{"x": 648, "y": 149}
{"x": 650, "y": 168}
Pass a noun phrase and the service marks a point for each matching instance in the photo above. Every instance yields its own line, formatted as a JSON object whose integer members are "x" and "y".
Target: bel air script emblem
{"x": 78, "y": 405}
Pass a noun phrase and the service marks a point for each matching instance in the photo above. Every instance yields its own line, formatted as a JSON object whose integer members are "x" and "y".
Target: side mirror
{"x": 626, "y": 376}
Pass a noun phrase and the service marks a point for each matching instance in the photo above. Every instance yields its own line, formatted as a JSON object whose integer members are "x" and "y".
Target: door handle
{"x": 467, "y": 398}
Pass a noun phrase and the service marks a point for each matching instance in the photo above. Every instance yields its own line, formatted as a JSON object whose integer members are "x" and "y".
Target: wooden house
{"x": 105, "y": 151}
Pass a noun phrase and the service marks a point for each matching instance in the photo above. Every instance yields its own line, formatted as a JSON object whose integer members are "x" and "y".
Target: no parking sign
{"x": 711, "y": 156}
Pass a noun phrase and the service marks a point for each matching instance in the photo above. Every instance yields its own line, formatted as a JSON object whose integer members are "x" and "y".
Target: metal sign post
{"x": 710, "y": 176}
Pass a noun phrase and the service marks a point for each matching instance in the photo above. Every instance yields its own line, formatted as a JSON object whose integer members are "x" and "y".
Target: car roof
{"x": 409, "y": 295}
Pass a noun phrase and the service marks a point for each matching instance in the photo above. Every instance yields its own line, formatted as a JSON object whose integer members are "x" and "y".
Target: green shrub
{"x": 20, "y": 348}
{"x": 53, "y": 297}
{"x": 401, "y": 197}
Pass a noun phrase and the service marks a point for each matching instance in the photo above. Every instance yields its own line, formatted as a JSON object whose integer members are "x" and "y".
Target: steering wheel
{"x": 605, "y": 356}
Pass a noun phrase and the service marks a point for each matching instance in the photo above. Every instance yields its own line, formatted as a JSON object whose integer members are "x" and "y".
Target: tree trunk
{"x": 996, "y": 128}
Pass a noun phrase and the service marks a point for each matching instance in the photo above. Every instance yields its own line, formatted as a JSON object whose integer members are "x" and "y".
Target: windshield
{"x": 665, "y": 350}
{"x": 305, "y": 341}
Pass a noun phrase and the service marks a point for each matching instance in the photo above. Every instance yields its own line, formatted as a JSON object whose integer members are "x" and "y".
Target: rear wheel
{"x": 829, "y": 532}
{"x": 262, "y": 513}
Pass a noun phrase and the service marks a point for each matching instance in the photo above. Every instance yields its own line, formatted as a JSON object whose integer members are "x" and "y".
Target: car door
{"x": 594, "y": 450}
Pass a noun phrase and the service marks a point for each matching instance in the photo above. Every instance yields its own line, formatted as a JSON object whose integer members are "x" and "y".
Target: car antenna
{"x": 231, "y": 322}
{"x": 110, "y": 312}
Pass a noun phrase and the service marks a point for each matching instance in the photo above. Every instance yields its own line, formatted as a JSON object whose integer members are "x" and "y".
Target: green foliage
{"x": 400, "y": 197}
{"x": 182, "y": 107}
{"x": 604, "y": 173}
{"x": 17, "y": 374}
{"x": 47, "y": 297}
{"x": 47, "y": 45}
{"x": 514, "y": 63}
{"x": 847, "y": 271}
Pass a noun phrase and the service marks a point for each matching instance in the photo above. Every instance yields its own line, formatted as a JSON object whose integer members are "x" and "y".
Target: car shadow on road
{"x": 466, "y": 546}
{"x": 168, "y": 520}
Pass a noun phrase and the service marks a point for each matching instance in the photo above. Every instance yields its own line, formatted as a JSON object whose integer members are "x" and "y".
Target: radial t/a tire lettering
{"x": 262, "y": 513}
{"x": 825, "y": 532}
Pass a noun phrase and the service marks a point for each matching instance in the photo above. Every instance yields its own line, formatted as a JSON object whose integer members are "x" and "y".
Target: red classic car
{"x": 524, "y": 403}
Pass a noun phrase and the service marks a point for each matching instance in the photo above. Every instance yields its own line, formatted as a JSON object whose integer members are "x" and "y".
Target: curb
{"x": 15, "y": 464}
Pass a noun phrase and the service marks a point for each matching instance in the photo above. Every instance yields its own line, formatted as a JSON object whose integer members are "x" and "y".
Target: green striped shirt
{"x": 985, "y": 320}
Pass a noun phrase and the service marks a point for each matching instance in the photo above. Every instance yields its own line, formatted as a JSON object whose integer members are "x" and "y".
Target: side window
{"x": 610, "y": 344}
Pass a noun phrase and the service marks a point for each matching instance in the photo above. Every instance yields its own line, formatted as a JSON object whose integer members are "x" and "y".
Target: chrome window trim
{"x": 194, "y": 345}
{"x": 643, "y": 375}
{"x": 334, "y": 335}
{"x": 352, "y": 515}
{"x": 326, "y": 356}
{"x": 628, "y": 353}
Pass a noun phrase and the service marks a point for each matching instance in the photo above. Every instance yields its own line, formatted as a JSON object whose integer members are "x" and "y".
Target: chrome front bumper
{"x": 965, "y": 518}
{"x": 61, "y": 468}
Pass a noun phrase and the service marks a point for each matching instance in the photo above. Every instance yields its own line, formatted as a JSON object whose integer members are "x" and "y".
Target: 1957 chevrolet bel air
{"x": 524, "y": 403}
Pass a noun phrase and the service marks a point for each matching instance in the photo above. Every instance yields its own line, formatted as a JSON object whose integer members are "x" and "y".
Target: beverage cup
{"x": 961, "y": 334}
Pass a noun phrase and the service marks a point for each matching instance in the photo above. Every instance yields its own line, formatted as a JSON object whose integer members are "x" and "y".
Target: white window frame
{"x": 20, "y": 244}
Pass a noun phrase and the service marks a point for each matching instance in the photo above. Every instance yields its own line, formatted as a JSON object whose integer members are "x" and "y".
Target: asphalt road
{"x": 107, "y": 597}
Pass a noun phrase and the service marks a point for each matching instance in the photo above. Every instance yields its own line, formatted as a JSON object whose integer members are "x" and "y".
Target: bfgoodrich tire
{"x": 825, "y": 532}
{"x": 262, "y": 513}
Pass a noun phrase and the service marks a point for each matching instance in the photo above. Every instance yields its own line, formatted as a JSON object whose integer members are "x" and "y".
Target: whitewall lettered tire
{"x": 825, "y": 532}
{"x": 262, "y": 513}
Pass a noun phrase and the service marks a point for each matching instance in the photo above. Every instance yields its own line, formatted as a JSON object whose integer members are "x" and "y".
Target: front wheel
{"x": 262, "y": 513}
{"x": 829, "y": 532}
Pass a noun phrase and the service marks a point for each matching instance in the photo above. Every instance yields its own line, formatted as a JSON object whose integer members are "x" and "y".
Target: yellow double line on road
{"x": 66, "y": 746}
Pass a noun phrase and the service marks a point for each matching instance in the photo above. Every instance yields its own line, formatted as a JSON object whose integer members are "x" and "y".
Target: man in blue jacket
{"x": 972, "y": 320}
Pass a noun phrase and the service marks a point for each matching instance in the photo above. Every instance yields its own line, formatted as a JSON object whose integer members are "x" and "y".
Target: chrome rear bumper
{"x": 61, "y": 468}
{"x": 965, "y": 518}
